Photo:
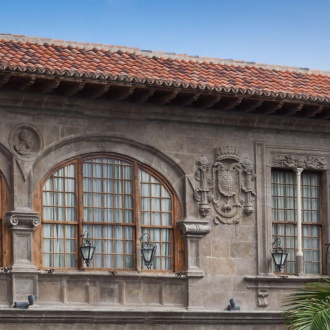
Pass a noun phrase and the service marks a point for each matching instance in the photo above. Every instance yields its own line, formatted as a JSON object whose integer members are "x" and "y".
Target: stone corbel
{"x": 22, "y": 225}
{"x": 193, "y": 230}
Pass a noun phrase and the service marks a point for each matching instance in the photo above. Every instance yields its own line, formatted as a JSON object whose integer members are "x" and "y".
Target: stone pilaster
{"x": 22, "y": 225}
{"x": 193, "y": 230}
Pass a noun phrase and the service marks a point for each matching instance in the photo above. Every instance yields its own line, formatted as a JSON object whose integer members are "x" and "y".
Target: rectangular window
{"x": 284, "y": 217}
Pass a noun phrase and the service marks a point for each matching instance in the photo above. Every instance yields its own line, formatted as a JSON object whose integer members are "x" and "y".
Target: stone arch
{"x": 80, "y": 145}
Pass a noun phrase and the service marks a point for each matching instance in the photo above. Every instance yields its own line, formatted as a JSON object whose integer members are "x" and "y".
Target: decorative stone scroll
{"x": 299, "y": 161}
{"x": 22, "y": 218}
{"x": 231, "y": 189}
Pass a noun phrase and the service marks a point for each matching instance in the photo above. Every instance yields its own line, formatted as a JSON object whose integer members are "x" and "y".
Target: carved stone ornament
{"x": 299, "y": 161}
{"x": 30, "y": 219}
{"x": 25, "y": 142}
{"x": 231, "y": 189}
{"x": 202, "y": 193}
{"x": 262, "y": 297}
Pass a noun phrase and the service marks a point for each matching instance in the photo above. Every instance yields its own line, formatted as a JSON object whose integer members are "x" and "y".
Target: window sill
{"x": 283, "y": 278}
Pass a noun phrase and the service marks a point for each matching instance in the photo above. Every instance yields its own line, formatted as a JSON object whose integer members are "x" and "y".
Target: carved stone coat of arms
{"x": 230, "y": 189}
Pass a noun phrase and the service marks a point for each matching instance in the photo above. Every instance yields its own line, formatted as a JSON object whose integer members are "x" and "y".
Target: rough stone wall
{"x": 170, "y": 141}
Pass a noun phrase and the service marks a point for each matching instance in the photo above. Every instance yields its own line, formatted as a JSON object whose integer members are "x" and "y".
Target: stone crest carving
{"x": 25, "y": 142}
{"x": 230, "y": 189}
{"x": 299, "y": 161}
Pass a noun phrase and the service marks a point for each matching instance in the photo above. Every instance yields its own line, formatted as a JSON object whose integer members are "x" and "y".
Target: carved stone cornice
{"x": 30, "y": 219}
{"x": 299, "y": 161}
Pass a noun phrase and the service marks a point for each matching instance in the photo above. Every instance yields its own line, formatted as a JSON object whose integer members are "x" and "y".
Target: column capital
{"x": 22, "y": 218}
{"x": 298, "y": 170}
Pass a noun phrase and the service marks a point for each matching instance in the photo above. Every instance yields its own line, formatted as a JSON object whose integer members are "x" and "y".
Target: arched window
{"x": 116, "y": 200}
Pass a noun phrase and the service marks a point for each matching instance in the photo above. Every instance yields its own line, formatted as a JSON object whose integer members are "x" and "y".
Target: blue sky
{"x": 284, "y": 32}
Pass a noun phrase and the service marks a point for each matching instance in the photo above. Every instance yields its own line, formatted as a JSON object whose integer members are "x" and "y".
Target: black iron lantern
{"x": 148, "y": 250}
{"x": 87, "y": 249}
{"x": 279, "y": 255}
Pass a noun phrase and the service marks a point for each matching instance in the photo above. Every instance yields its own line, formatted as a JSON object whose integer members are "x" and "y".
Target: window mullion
{"x": 137, "y": 215}
{"x": 79, "y": 209}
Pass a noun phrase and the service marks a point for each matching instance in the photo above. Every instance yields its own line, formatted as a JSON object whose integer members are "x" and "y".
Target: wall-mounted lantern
{"x": 87, "y": 249}
{"x": 279, "y": 255}
{"x": 148, "y": 250}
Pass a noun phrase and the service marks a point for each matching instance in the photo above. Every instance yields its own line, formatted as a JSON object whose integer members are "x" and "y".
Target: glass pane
{"x": 166, "y": 205}
{"x": 155, "y": 190}
{"x": 145, "y": 189}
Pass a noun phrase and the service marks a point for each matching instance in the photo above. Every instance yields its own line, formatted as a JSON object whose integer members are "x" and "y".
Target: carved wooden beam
{"x": 4, "y": 79}
{"x": 165, "y": 99}
{"x": 24, "y": 86}
{"x": 252, "y": 106}
{"x": 124, "y": 93}
{"x": 210, "y": 102}
{"x": 314, "y": 112}
{"x": 190, "y": 100}
{"x": 50, "y": 86}
{"x": 294, "y": 108}
{"x": 145, "y": 96}
{"x": 326, "y": 113}
{"x": 99, "y": 91}
{"x": 273, "y": 107}
{"x": 231, "y": 104}
{"x": 74, "y": 89}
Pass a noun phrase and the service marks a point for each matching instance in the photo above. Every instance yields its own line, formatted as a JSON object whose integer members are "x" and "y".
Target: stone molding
{"x": 142, "y": 316}
{"x": 311, "y": 162}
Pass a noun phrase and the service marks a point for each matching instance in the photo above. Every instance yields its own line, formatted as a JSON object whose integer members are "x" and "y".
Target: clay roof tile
{"x": 167, "y": 68}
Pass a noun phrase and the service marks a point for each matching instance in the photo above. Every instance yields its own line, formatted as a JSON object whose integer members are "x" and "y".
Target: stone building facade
{"x": 202, "y": 154}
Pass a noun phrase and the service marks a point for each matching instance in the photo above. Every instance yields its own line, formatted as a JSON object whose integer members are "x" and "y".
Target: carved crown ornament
{"x": 229, "y": 188}
{"x": 299, "y": 161}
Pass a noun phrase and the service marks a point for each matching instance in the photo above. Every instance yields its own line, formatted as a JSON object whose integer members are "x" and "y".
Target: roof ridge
{"x": 159, "y": 54}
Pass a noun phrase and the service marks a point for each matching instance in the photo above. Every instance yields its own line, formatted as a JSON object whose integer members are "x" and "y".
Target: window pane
{"x": 284, "y": 211}
{"x": 155, "y": 213}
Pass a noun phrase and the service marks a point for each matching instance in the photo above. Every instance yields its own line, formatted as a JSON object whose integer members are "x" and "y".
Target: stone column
{"x": 22, "y": 225}
{"x": 299, "y": 254}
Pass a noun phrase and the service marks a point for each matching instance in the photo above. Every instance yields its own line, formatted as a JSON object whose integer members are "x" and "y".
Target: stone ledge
{"x": 91, "y": 274}
{"x": 134, "y": 316}
{"x": 277, "y": 279}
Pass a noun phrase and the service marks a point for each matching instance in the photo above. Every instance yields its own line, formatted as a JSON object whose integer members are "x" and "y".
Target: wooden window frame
{"x": 305, "y": 224}
{"x": 177, "y": 253}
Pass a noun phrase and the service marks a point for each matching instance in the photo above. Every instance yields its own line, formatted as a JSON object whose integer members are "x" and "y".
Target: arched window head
{"x": 116, "y": 201}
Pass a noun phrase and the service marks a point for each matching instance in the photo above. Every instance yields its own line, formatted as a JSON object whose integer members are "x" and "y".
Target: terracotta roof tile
{"x": 44, "y": 56}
